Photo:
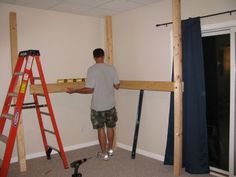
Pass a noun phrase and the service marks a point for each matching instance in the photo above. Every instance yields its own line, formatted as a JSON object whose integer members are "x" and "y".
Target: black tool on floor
{"x": 76, "y": 164}
{"x": 137, "y": 124}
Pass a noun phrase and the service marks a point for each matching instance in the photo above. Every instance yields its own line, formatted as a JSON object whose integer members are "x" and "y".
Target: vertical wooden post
{"x": 109, "y": 39}
{"x": 109, "y": 45}
{"x": 178, "y": 91}
{"x": 14, "y": 56}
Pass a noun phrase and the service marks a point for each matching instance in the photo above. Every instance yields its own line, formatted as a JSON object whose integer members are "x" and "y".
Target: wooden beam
{"x": 109, "y": 45}
{"x": 14, "y": 56}
{"x": 129, "y": 85}
{"x": 55, "y": 87}
{"x": 109, "y": 39}
{"x": 13, "y": 39}
{"x": 178, "y": 94}
{"x": 147, "y": 85}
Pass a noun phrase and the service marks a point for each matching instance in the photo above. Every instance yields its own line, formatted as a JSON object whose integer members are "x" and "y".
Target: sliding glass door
{"x": 219, "y": 44}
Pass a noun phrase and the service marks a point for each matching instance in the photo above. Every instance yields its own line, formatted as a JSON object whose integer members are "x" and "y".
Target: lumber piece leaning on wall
{"x": 14, "y": 56}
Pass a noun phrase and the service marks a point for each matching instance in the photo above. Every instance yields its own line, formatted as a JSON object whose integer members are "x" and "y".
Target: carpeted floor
{"x": 118, "y": 166}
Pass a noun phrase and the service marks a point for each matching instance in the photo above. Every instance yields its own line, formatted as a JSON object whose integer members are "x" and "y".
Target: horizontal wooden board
{"x": 147, "y": 85}
{"x": 124, "y": 84}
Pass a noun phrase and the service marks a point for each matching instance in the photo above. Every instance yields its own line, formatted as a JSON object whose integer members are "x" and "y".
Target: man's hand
{"x": 116, "y": 86}
{"x": 84, "y": 90}
{"x": 70, "y": 90}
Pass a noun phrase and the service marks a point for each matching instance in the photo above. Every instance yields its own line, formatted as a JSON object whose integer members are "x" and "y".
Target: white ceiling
{"x": 98, "y": 8}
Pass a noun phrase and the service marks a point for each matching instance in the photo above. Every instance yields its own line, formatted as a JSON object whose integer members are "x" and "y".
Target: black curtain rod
{"x": 205, "y": 16}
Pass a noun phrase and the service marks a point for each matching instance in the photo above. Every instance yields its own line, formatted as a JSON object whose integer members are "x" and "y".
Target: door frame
{"x": 218, "y": 29}
{"x": 232, "y": 152}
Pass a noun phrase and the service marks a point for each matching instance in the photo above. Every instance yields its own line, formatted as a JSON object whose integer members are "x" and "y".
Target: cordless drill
{"x": 76, "y": 164}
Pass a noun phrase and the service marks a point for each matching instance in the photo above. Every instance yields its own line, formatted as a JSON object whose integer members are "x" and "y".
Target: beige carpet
{"x": 118, "y": 166}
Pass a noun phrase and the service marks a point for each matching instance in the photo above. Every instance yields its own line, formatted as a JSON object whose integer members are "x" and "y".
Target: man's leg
{"x": 111, "y": 120}
{"x": 102, "y": 139}
{"x": 110, "y": 136}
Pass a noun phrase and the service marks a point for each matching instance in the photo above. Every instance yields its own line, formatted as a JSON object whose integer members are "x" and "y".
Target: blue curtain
{"x": 195, "y": 143}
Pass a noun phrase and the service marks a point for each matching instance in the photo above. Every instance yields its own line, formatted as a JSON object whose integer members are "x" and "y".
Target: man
{"x": 101, "y": 81}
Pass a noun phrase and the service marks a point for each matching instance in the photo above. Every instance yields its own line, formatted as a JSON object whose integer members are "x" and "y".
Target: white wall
{"x": 66, "y": 42}
{"x": 143, "y": 52}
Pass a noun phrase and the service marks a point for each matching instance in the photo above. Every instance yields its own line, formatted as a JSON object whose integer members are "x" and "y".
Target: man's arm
{"x": 84, "y": 90}
{"x": 116, "y": 81}
{"x": 89, "y": 85}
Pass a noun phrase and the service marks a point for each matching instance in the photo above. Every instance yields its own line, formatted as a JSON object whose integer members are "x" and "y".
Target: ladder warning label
{"x": 16, "y": 118}
{"x": 23, "y": 87}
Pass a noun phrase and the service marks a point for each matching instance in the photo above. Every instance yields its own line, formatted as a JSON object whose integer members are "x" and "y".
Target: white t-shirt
{"x": 102, "y": 78}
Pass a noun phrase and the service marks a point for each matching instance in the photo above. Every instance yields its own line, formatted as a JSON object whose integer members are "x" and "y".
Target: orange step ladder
{"x": 12, "y": 112}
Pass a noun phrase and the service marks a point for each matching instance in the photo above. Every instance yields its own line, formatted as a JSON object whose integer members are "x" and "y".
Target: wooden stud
{"x": 109, "y": 45}
{"x": 129, "y": 85}
{"x": 109, "y": 39}
{"x": 13, "y": 39}
{"x": 178, "y": 94}
{"x": 14, "y": 56}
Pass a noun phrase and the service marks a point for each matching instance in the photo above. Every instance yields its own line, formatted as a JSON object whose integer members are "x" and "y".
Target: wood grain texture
{"x": 178, "y": 91}
{"x": 109, "y": 39}
{"x": 109, "y": 44}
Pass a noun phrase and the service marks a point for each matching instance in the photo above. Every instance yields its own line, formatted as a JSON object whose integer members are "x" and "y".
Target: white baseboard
{"x": 80, "y": 146}
{"x": 213, "y": 171}
{"x": 142, "y": 152}
{"x": 92, "y": 143}
{"x": 68, "y": 148}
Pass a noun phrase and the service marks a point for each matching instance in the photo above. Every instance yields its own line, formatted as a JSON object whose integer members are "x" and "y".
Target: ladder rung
{"x": 37, "y": 78}
{"x": 55, "y": 149}
{"x": 45, "y": 113}
{"x": 3, "y": 138}
{"x": 40, "y": 95}
{"x": 18, "y": 73}
{"x": 13, "y": 94}
{"x": 49, "y": 131}
{"x": 31, "y": 107}
{"x": 8, "y": 116}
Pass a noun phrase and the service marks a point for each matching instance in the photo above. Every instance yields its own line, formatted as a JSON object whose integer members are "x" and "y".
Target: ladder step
{"x": 30, "y": 105}
{"x": 13, "y": 94}
{"x": 3, "y": 138}
{"x": 39, "y": 106}
{"x": 18, "y": 73}
{"x": 37, "y": 78}
{"x": 8, "y": 116}
{"x": 45, "y": 113}
{"x": 49, "y": 131}
{"x": 41, "y": 95}
{"x": 55, "y": 149}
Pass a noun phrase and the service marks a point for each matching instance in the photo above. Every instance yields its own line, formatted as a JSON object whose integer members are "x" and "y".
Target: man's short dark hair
{"x": 98, "y": 53}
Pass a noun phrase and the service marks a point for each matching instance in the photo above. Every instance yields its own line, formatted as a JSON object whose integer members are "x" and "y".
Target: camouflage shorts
{"x": 101, "y": 118}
